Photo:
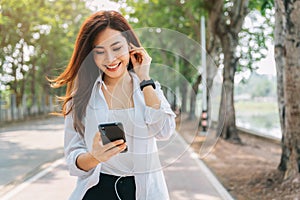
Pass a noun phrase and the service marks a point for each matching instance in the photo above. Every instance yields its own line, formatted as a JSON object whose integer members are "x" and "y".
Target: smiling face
{"x": 111, "y": 53}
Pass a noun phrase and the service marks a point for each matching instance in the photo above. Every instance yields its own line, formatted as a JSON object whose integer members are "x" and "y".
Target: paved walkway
{"x": 33, "y": 152}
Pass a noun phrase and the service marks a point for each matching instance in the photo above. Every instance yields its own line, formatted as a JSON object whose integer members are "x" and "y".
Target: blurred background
{"x": 37, "y": 39}
{"x": 215, "y": 60}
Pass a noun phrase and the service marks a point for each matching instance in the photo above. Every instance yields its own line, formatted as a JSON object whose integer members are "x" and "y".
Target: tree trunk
{"x": 214, "y": 8}
{"x": 227, "y": 125}
{"x": 183, "y": 91}
{"x": 291, "y": 79}
{"x": 32, "y": 86}
{"x": 184, "y": 85}
{"x": 22, "y": 82}
{"x": 194, "y": 93}
{"x": 228, "y": 29}
{"x": 46, "y": 73}
{"x": 211, "y": 73}
{"x": 279, "y": 51}
{"x": 14, "y": 84}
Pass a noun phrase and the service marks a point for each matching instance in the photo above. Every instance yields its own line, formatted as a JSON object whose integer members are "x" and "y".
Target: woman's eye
{"x": 99, "y": 52}
{"x": 117, "y": 49}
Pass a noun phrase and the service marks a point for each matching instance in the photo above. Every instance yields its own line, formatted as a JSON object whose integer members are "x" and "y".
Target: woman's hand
{"x": 141, "y": 62}
{"x": 103, "y": 153}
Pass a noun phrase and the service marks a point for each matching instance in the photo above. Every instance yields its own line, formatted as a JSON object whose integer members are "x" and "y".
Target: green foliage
{"x": 182, "y": 16}
{"x": 256, "y": 33}
{"x": 253, "y": 40}
{"x": 37, "y": 39}
{"x": 261, "y": 5}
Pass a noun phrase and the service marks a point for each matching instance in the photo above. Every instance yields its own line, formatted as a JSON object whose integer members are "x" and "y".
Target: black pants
{"x": 105, "y": 189}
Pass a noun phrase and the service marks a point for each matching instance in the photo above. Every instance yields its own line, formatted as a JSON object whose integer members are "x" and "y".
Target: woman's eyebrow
{"x": 113, "y": 44}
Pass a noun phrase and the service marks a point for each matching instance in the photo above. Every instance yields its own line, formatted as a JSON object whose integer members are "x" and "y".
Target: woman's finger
{"x": 112, "y": 144}
{"x": 97, "y": 139}
{"x": 114, "y": 151}
{"x": 137, "y": 50}
{"x": 136, "y": 58}
{"x": 133, "y": 59}
{"x": 133, "y": 47}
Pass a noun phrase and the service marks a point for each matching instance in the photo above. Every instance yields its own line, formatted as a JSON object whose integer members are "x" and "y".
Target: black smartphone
{"x": 111, "y": 132}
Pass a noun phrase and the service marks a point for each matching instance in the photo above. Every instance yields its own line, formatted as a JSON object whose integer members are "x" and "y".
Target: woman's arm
{"x": 160, "y": 121}
{"x": 86, "y": 161}
{"x": 74, "y": 146}
{"x": 80, "y": 161}
{"x": 141, "y": 64}
{"x": 150, "y": 96}
{"x": 159, "y": 117}
{"x": 100, "y": 153}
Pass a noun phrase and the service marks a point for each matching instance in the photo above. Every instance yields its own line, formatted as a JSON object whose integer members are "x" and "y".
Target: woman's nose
{"x": 110, "y": 57}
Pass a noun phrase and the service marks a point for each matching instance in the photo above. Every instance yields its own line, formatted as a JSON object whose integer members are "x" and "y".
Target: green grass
{"x": 256, "y": 108}
{"x": 260, "y": 116}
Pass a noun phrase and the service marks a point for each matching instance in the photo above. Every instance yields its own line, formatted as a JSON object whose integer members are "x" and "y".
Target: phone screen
{"x": 111, "y": 132}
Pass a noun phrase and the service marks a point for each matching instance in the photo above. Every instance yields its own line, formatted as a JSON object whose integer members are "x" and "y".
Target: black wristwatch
{"x": 145, "y": 83}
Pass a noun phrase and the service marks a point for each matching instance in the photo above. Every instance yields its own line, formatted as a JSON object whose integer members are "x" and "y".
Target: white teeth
{"x": 112, "y": 67}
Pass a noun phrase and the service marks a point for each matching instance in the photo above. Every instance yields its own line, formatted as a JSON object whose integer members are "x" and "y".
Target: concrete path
{"x": 32, "y": 166}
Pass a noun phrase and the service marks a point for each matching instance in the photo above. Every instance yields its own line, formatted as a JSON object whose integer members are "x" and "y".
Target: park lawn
{"x": 258, "y": 116}
{"x": 245, "y": 108}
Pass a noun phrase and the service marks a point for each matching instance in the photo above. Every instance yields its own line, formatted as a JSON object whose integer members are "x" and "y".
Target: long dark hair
{"x": 79, "y": 85}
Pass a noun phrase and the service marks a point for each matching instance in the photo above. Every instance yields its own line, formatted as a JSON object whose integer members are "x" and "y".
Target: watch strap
{"x": 145, "y": 83}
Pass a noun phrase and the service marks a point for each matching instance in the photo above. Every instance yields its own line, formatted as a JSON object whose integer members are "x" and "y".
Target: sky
{"x": 267, "y": 65}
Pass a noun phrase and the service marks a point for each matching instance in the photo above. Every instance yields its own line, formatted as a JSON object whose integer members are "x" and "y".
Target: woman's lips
{"x": 113, "y": 67}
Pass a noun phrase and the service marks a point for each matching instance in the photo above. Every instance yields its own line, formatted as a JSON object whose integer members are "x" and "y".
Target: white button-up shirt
{"x": 149, "y": 125}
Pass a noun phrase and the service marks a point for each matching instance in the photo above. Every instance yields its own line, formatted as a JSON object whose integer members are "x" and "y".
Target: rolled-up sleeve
{"x": 73, "y": 146}
{"x": 160, "y": 122}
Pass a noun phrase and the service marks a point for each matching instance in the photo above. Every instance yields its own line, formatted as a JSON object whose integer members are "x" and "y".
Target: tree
{"x": 37, "y": 43}
{"x": 183, "y": 17}
{"x": 225, "y": 34}
{"x": 287, "y": 51}
{"x": 226, "y": 23}
{"x": 229, "y": 25}
{"x": 14, "y": 35}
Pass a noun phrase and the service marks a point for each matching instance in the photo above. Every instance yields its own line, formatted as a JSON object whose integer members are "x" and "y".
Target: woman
{"x": 108, "y": 81}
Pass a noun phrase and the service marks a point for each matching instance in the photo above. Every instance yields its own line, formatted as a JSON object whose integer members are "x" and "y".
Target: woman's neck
{"x": 113, "y": 82}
